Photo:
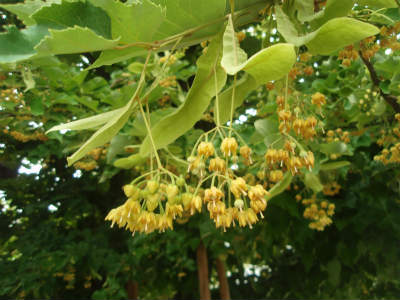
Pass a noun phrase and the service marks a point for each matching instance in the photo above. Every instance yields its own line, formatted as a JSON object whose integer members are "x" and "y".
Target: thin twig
{"x": 390, "y": 99}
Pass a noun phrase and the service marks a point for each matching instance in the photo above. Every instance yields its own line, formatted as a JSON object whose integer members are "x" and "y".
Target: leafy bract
{"x": 233, "y": 56}
{"x": 268, "y": 64}
{"x": 130, "y": 161}
{"x": 379, "y": 3}
{"x": 88, "y": 123}
{"x": 198, "y": 98}
{"x": 331, "y": 36}
{"x": 271, "y": 63}
{"x": 105, "y": 133}
{"x": 338, "y": 33}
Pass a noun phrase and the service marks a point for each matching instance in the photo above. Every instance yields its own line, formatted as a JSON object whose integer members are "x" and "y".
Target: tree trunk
{"x": 202, "y": 268}
{"x": 224, "y": 292}
{"x": 132, "y": 289}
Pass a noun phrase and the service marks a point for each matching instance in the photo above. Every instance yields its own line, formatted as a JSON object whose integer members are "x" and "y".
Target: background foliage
{"x": 54, "y": 242}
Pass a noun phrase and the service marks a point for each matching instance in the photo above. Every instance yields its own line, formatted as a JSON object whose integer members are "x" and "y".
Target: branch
{"x": 202, "y": 269}
{"x": 391, "y": 100}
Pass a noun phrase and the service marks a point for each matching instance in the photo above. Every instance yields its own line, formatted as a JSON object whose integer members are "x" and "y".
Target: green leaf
{"x": 139, "y": 126}
{"x": 117, "y": 146}
{"x": 335, "y": 148}
{"x": 73, "y": 40}
{"x": 312, "y": 181}
{"x": 37, "y": 107}
{"x": 198, "y": 98}
{"x": 183, "y": 15}
{"x": 281, "y": 186}
{"x": 335, "y": 9}
{"x": 128, "y": 23}
{"x": 266, "y": 126}
{"x": 378, "y": 3}
{"x": 334, "y": 268}
{"x": 130, "y": 162}
{"x": 25, "y": 10}
{"x": 233, "y": 56}
{"x": 17, "y": 45}
{"x": 28, "y": 79}
{"x": 88, "y": 123}
{"x": 135, "y": 67}
{"x": 287, "y": 29}
{"x": 334, "y": 165}
{"x": 70, "y": 14}
{"x": 305, "y": 10}
{"x": 338, "y": 33}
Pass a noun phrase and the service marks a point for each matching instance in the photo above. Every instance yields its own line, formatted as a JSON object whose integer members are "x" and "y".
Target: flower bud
{"x": 152, "y": 186}
{"x": 171, "y": 191}
{"x": 239, "y": 204}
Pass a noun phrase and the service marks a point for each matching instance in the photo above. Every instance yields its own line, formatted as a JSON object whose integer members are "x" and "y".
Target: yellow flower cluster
{"x": 153, "y": 207}
{"x": 249, "y": 201}
{"x": 217, "y": 162}
{"x": 11, "y": 95}
{"x": 391, "y": 152}
{"x": 86, "y": 165}
{"x": 337, "y": 135}
{"x": 389, "y": 156}
{"x": 171, "y": 59}
{"x": 288, "y": 160}
{"x": 306, "y": 128}
{"x": 389, "y": 37}
{"x": 348, "y": 55}
{"x": 319, "y": 213}
{"x": 169, "y": 81}
{"x": 331, "y": 189}
{"x": 318, "y": 99}
{"x": 23, "y": 137}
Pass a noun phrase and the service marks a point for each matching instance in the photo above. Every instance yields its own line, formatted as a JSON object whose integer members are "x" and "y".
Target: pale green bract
{"x": 312, "y": 182}
{"x": 331, "y": 36}
{"x": 197, "y": 100}
{"x": 233, "y": 56}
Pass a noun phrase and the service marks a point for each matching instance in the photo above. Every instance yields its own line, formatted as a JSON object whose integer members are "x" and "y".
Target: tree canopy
{"x": 251, "y": 149}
